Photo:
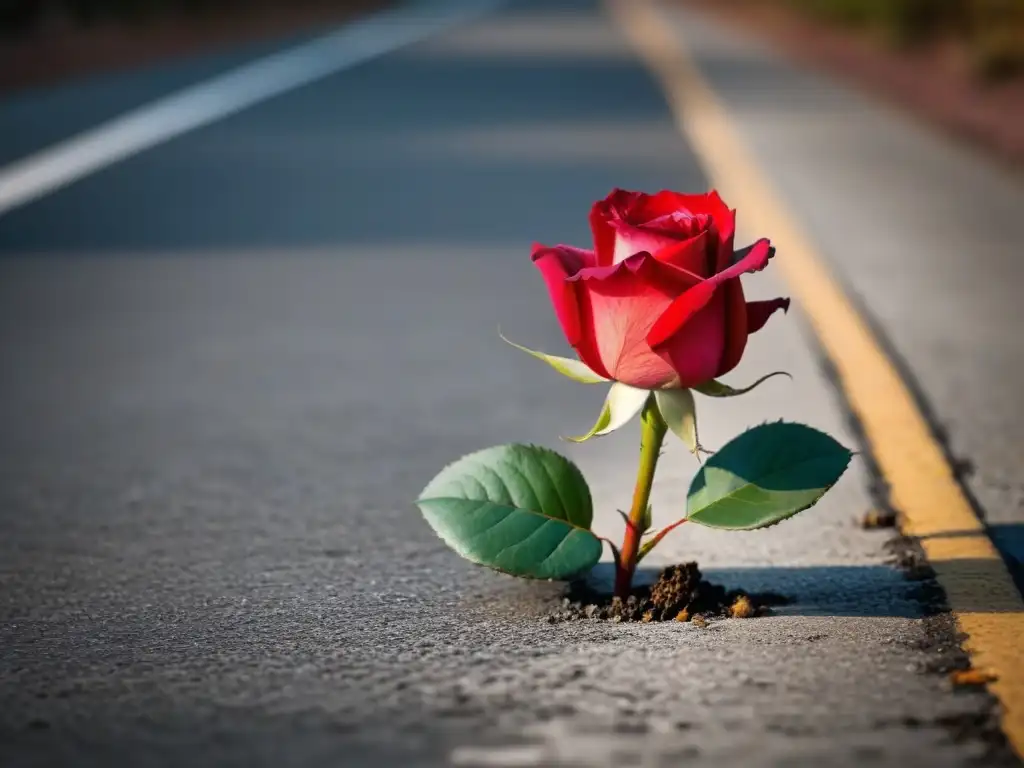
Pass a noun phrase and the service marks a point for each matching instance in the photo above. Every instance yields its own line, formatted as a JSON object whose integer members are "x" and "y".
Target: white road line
{"x": 209, "y": 101}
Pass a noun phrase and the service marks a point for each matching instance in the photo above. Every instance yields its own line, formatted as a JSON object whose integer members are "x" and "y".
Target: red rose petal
{"x": 758, "y": 312}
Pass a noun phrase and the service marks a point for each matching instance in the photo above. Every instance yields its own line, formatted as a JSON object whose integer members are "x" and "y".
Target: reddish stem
{"x": 651, "y": 437}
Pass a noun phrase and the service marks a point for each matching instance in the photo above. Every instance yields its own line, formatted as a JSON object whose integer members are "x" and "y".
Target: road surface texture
{"x": 231, "y": 362}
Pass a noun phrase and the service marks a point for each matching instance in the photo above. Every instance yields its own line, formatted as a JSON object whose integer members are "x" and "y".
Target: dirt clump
{"x": 679, "y": 594}
{"x": 875, "y": 519}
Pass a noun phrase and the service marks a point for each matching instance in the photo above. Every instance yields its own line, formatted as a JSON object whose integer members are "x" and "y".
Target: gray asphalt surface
{"x": 231, "y": 362}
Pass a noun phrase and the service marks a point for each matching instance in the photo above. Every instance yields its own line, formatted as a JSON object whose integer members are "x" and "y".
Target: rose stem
{"x": 652, "y": 434}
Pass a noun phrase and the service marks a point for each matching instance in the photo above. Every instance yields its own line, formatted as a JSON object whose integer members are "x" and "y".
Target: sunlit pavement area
{"x": 231, "y": 362}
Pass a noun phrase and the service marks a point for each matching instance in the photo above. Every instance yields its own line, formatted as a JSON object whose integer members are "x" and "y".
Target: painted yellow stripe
{"x": 978, "y": 586}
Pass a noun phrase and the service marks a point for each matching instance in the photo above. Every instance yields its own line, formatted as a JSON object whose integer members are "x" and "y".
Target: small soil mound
{"x": 874, "y": 519}
{"x": 679, "y": 594}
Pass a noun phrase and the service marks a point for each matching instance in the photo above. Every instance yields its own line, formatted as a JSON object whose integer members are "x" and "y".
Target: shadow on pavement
{"x": 844, "y": 590}
{"x": 1009, "y": 538}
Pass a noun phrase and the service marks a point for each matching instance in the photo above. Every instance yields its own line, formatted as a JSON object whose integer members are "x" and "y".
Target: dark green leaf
{"x": 765, "y": 475}
{"x": 520, "y": 509}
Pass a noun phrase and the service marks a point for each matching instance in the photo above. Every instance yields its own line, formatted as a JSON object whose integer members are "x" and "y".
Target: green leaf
{"x": 765, "y": 475}
{"x": 576, "y": 370}
{"x": 520, "y": 509}
{"x": 680, "y": 414}
{"x": 622, "y": 404}
{"x": 718, "y": 389}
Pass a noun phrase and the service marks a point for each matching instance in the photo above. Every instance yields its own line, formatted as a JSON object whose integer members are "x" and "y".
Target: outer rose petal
{"x": 622, "y": 303}
{"x": 557, "y": 265}
{"x": 703, "y": 333}
{"x": 695, "y": 351}
{"x": 691, "y": 302}
{"x": 758, "y": 312}
{"x": 742, "y": 319}
{"x": 735, "y": 326}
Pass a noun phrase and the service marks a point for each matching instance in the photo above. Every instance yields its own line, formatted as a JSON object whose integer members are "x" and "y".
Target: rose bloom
{"x": 658, "y": 303}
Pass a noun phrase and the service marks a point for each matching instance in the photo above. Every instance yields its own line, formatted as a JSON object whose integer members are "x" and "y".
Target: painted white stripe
{"x": 206, "y": 102}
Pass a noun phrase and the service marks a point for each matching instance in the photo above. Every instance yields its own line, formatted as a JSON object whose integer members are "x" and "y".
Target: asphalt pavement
{"x": 231, "y": 362}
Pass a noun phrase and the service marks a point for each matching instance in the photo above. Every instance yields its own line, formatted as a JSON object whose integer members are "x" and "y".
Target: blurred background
{"x": 991, "y": 32}
{"x": 233, "y": 352}
{"x": 25, "y": 14}
{"x": 45, "y": 40}
{"x": 974, "y": 49}
{"x": 958, "y": 63}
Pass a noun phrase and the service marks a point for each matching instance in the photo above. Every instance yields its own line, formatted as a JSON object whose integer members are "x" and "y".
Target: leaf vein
{"x": 505, "y": 514}
{"x": 558, "y": 490}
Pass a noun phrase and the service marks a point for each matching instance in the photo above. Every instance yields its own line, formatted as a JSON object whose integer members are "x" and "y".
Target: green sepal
{"x": 679, "y": 411}
{"x": 715, "y": 388}
{"x": 576, "y": 370}
{"x": 622, "y": 404}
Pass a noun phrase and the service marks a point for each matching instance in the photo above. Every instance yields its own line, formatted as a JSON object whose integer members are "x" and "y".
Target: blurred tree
{"x": 15, "y": 15}
{"x": 903, "y": 21}
{"x": 992, "y": 30}
{"x": 997, "y": 37}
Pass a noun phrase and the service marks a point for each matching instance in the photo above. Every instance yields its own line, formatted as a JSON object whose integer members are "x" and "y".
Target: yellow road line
{"x": 979, "y": 589}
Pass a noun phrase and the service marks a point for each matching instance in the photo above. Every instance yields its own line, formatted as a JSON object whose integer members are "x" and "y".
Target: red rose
{"x": 658, "y": 303}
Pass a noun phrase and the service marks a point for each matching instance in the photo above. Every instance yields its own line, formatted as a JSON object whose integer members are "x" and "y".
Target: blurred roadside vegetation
{"x": 992, "y": 31}
{"x": 20, "y": 16}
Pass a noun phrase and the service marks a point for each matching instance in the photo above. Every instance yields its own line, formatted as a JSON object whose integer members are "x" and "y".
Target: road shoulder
{"x": 934, "y": 508}
{"x": 933, "y": 82}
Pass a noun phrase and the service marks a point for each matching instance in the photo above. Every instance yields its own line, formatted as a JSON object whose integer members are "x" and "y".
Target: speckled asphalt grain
{"x": 229, "y": 365}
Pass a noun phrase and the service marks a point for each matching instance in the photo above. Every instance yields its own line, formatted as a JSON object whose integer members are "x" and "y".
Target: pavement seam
{"x": 923, "y": 487}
